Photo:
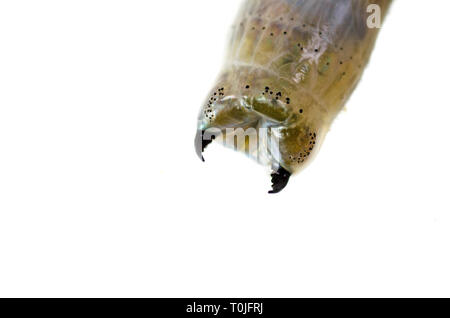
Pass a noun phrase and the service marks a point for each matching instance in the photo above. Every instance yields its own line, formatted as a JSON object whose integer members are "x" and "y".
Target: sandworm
{"x": 291, "y": 66}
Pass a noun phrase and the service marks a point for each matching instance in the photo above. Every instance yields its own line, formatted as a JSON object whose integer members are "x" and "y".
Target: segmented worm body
{"x": 290, "y": 68}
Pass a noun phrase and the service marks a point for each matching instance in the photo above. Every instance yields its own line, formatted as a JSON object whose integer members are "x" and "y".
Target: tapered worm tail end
{"x": 201, "y": 142}
{"x": 280, "y": 179}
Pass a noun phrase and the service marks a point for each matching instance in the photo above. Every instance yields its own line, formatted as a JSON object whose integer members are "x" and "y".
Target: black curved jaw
{"x": 280, "y": 179}
{"x": 202, "y": 141}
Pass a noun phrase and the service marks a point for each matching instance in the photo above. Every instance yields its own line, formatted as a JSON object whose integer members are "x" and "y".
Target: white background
{"x": 101, "y": 193}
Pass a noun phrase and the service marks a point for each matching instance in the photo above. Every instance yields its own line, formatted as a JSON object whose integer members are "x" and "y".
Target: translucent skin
{"x": 291, "y": 66}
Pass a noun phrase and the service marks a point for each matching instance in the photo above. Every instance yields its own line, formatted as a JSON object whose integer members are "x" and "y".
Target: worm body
{"x": 291, "y": 66}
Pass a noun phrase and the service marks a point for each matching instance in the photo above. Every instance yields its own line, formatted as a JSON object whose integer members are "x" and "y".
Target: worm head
{"x": 264, "y": 124}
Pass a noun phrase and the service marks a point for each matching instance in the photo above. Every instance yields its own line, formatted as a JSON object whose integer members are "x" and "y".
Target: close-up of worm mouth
{"x": 285, "y": 136}
{"x": 247, "y": 115}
